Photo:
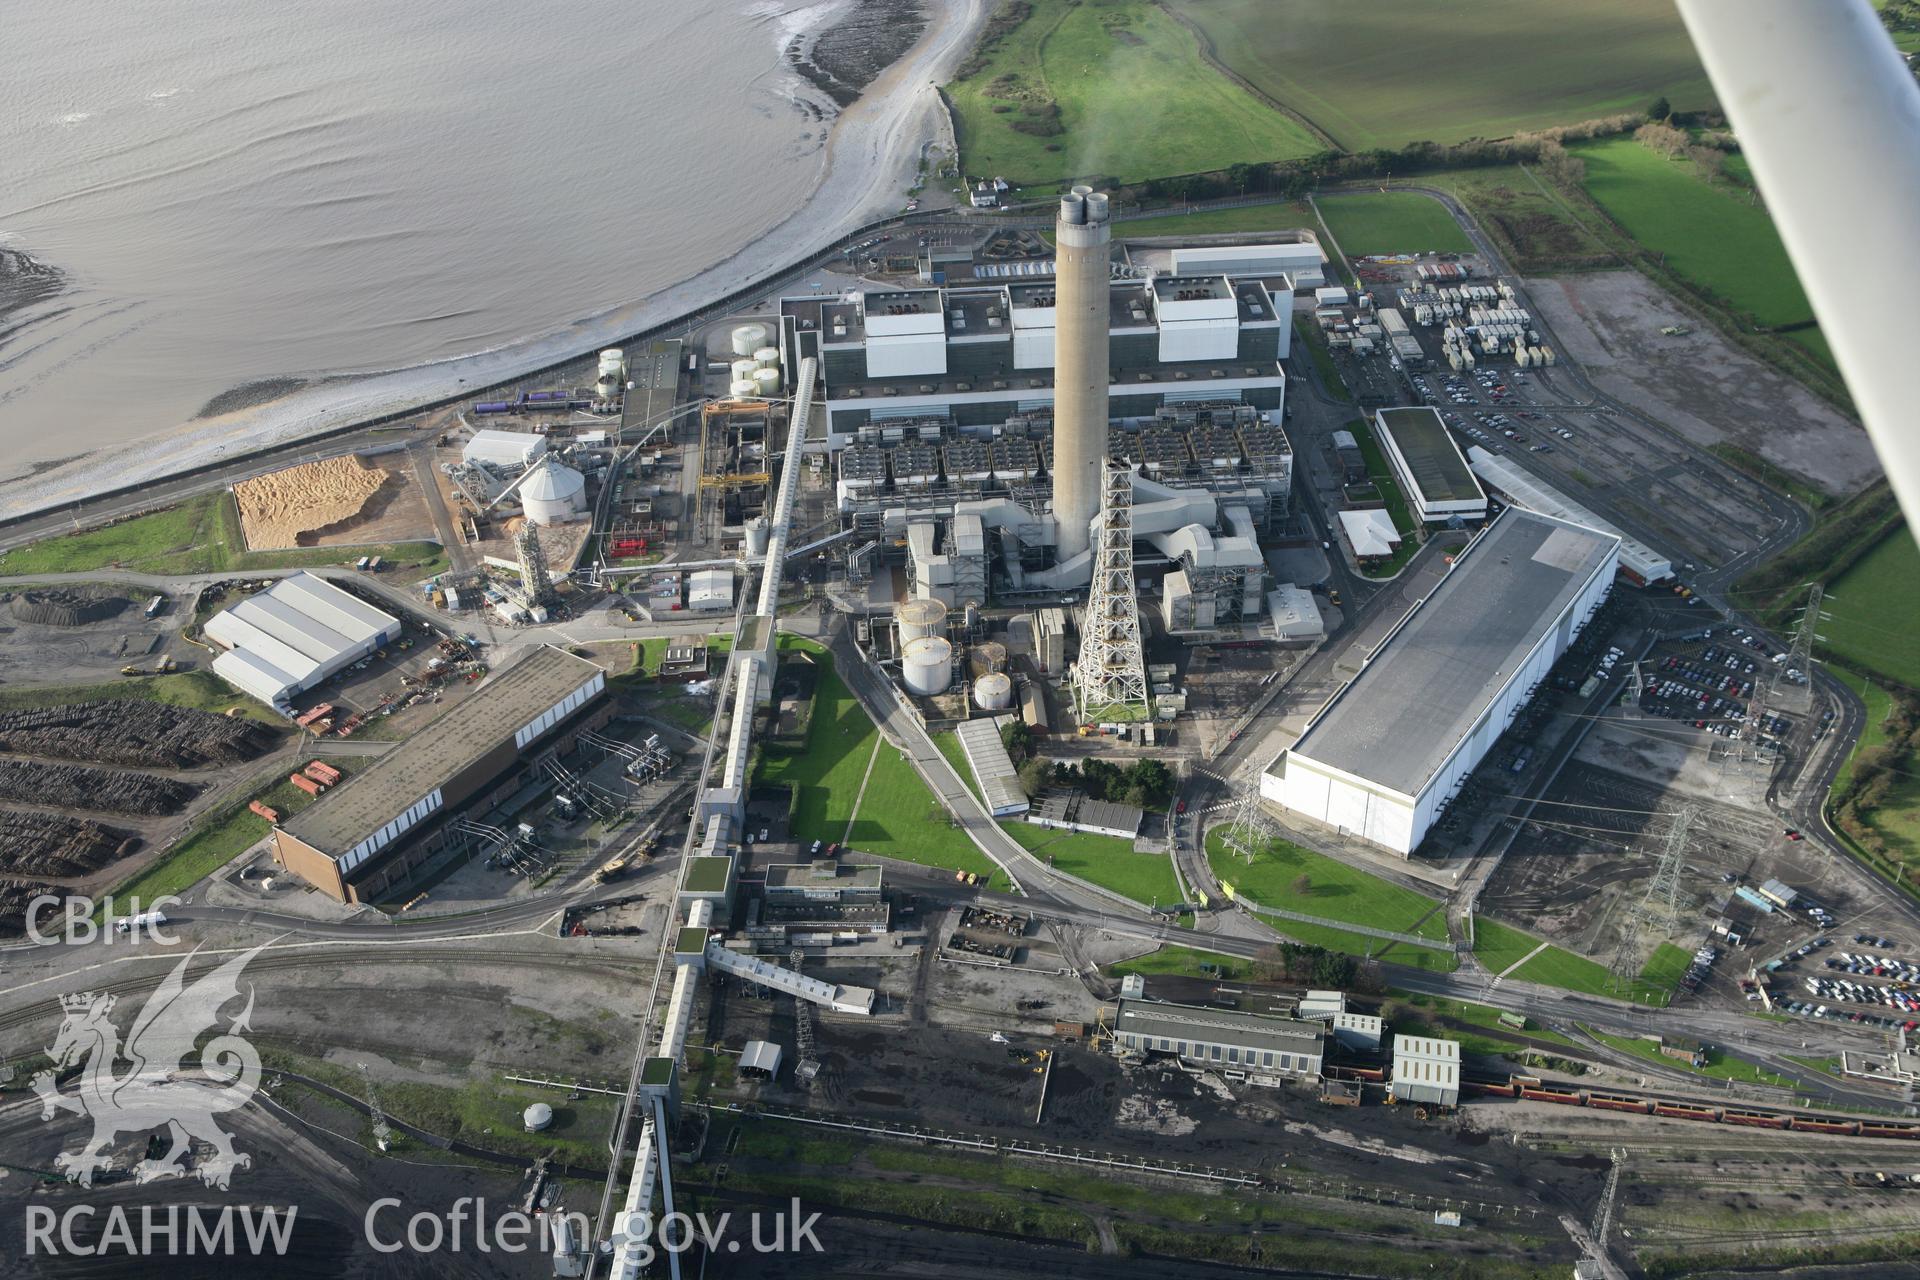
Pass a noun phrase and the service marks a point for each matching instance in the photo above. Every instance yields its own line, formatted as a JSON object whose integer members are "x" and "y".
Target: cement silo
{"x": 918, "y": 619}
{"x": 554, "y": 494}
{"x": 759, "y": 533}
{"x": 926, "y": 666}
{"x": 1083, "y": 250}
{"x": 743, "y": 369}
{"x": 743, "y": 389}
{"x": 993, "y": 691}
{"x": 767, "y": 357}
{"x": 767, "y": 383}
{"x": 749, "y": 338}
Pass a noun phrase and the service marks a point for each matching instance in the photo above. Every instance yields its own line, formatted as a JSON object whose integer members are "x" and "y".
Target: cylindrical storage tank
{"x": 743, "y": 368}
{"x": 926, "y": 666}
{"x": 993, "y": 691}
{"x": 554, "y": 494}
{"x": 759, "y": 533}
{"x": 743, "y": 388}
{"x": 749, "y": 338}
{"x": 919, "y": 619}
{"x": 988, "y": 657}
{"x": 972, "y": 616}
{"x": 537, "y": 1117}
{"x": 767, "y": 357}
{"x": 767, "y": 382}
{"x": 613, "y": 363}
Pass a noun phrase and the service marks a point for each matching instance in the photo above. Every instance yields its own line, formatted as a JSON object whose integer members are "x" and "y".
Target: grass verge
{"x": 1107, "y": 861}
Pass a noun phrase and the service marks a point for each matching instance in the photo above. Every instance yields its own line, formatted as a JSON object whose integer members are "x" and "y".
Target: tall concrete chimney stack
{"x": 1081, "y": 238}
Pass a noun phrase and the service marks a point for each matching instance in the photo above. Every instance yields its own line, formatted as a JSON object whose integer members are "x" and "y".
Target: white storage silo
{"x": 918, "y": 619}
{"x": 926, "y": 666}
{"x": 743, "y": 368}
{"x": 743, "y": 389}
{"x": 993, "y": 691}
{"x": 749, "y": 338}
{"x": 613, "y": 364}
{"x": 759, "y": 533}
{"x": 554, "y": 494}
{"x": 767, "y": 357}
{"x": 767, "y": 383}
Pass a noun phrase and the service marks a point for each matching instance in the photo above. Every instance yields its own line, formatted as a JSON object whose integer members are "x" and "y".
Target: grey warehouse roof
{"x": 1431, "y": 454}
{"x": 489, "y": 716}
{"x": 1217, "y": 1026}
{"x": 1440, "y": 670}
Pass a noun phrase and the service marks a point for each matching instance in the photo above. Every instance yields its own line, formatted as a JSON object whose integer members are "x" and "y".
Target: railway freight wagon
{"x": 1532, "y": 1088}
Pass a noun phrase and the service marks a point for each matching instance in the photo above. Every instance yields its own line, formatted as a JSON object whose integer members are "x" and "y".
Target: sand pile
{"x": 289, "y": 508}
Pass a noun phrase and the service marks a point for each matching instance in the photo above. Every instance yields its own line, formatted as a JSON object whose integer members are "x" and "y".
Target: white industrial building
{"x": 1294, "y": 613}
{"x": 1638, "y": 561}
{"x": 296, "y": 634}
{"x": 1261, "y": 1046}
{"x": 709, "y": 590}
{"x": 992, "y": 766}
{"x": 1398, "y": 740}
{"x": 1300, "y": 262}
{"x": 1433, "y": 473}
{"x": 1425, "y": 1070}
{"x": 1370, "y": 532}
{"x": 511, "y": 449}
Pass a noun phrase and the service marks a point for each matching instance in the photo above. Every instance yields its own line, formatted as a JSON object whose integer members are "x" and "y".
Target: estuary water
{"x": 207, "y": 206}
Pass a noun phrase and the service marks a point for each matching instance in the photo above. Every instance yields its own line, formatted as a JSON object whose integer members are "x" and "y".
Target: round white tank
{"x": 926, "y": 666}
{"x": 554, "y": 494}
{"x": 749, "y": 338}
{"x": 918, "y": 619}
{"x": 613, "y": 364}
{"x": 743, "y": 368}
{"x": 767, "y": 357}
{"x": 743, "y": 389}
{"x": 537, "y": 1117}
{"x": 993, "y": 691}
{"x": 768, "y": 382}
{"x": 758, "y": 535}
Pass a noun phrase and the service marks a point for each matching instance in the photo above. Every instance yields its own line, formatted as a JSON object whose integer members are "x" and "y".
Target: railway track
{"x": 399, "y": 953}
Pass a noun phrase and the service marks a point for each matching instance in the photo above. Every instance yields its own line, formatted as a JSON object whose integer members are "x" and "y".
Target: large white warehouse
{"x": 1432, "y": 471}
{"x": 503, "y": 448}
{"x": 295, "y": 635}
{"x": 1379, "y": 759}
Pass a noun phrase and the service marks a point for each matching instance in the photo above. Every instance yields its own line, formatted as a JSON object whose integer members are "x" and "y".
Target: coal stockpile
{"x": 153, "y": 734}
{"x": 69, "y": 786}
{"x": 57, "y": 607}
{"x": 15, "y": 895}
{"x": 46, "y": 844}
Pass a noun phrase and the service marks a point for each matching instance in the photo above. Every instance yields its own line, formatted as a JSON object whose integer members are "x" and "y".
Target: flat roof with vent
{"x": 1435, "y": 461}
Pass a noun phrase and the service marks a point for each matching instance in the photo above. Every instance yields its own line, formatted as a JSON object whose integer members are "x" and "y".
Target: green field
{"x": 1184, "y": 962}
{"x": 1720, "y": 1065}
{"x": 1389, "y": 222}
{"x": 1712, "y": 236}
{"x": 1528, "y": 221}
{"x": 1248, "y": 219}
{"x": 1873, "y": 733}
{"x": 1115, "y": 89}
{"x": 1873, "y": 610}
{"x": 201, "y": 535}
{"x": 898, "y": 816}
{"x": 1419, "y": 1013}
{"x": 949, "y": 744}
{"x": 1499, "y": 947}
{"x": 199, "y": 689}
{"x": 1389, "y": 72}
{"x": 1107, "y": 861}
{"x": 214, "y": 841}
{"x": 1335, "y": 890}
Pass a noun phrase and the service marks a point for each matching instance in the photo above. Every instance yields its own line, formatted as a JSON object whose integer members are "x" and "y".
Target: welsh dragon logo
{"x": 153, "y": 1092}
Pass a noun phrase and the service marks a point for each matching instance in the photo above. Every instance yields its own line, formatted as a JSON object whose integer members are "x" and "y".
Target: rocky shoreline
{"x": 869, "y": 37}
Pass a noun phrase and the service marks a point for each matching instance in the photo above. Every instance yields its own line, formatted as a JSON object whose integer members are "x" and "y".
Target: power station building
{"x": 1301, "y": 261}
{"x": 1432, "y": 471}
{"x": 366, "y": 839}
{"x": 1388, "y": 751}
{"x": 298, "y": 633}
{"x": 979, "y": 355}
{"x": 1262, "y": 1046}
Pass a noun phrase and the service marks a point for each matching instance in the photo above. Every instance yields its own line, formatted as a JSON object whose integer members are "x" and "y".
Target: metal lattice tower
{"x": 1110, "y": 674}
{"x": 1250, "y": 832}
{"x": 1663, "y": 894}
{"x": 535, "y": 581}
